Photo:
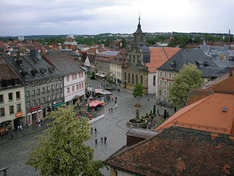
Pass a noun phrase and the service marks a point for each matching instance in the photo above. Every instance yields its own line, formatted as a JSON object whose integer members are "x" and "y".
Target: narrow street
{"x": 113, "y": 126}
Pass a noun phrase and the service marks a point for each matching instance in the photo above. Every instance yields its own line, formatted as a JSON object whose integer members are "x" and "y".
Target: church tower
{"x": 139, "y": 36}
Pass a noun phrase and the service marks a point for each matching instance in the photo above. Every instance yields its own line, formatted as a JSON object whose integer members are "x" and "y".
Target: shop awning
{"x": 102, "y": 75}
{"x": 94, "y": 103}
{"x": 59, "y": 104}
{"x": 97, "y": 74}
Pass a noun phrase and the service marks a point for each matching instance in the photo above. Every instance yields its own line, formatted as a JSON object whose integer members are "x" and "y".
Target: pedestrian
{"x": 96, "y": 141}
{"x": 112, "y": 98}
{"x": 91, "y": 130}
{"x": 95, "y": 130}
{"x": 102, "y": 139}
{"x": 115, "y": 105}
{"x": 118, "y": 90}
{"x": 105, "y": 139}
{"x": 111, "y": 109}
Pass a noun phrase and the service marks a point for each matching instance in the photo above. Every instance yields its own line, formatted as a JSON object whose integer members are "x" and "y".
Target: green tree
{"x": 60, "y": 149}
{"x": 138, "y": 91}
{"x": 188, "y": 77}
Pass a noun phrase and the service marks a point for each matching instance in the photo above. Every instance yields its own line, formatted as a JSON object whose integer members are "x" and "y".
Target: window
{"x": 73, "y": 88}
{"x": 28, "y": 104}
{"x": 34, "y": 103}
{"x": 165, "y": 83}
{"x": 68, "y": 90}
{"x": 77, "y": 87}
{"x": 48, "y": 88}
{"x": 82, "y": 85}
{"x": 169, "y": 83}
{"x": 169, "y": 75}
{"x": 10, "y": 96}
{"x": 28, "y": 93}
{"x": 38, "y": 101}
{"x": 33, "y": 92}
{"x": 160, "y": 73}
{"x": 165, "y": 74}
{"x": 141, "y": 79}
{"x": 11, "y": 109}
{"x": 128, "y": 77}
{"x": 18, "y": 95}
{"x": 154, "y": 80}
{"x": 67, "y": 78}
{"x": 132, "y": 78}
{"x": 43, "y": 89}
{"x": 1, "y": 98}
{"x": 73, "y": 77}
{"x": 2, "y": 112}
{"x": 164, "y": 92}
{"x": 38, "y": 91}
{"x": 43, "y": 100}
{"x": 61, "y": 85}
{"x": 160, "y": 82}
{"x": 18, "y": 107}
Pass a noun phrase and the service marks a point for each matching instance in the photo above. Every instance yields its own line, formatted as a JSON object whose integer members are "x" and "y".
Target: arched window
{"x": 154, "y": 80}
{"x": 132, "y": 78}
{"x": 141, "y": 79}
{"x": 136, "y": 79}
{"x": 128, "y": 77}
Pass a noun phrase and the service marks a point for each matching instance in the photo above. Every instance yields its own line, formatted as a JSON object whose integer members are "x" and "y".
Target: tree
{"x": 60, "y": 149}
{"x": 138, "y": 91}
{"x": 188, "y": 77}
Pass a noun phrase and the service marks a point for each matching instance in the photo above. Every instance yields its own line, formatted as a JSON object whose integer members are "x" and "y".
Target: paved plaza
{"x": 112, "y": 125}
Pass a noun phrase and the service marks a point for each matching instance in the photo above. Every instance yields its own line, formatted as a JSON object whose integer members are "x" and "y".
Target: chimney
{"x": 230, "y": 71}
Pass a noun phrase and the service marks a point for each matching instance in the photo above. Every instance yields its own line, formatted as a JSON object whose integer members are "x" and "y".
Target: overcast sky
{"x": 36, "y": 17}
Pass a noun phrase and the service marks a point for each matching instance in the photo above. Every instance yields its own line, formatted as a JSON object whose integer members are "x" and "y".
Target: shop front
{"x": 34, "y": 115}
{"x": 19, "y": 120}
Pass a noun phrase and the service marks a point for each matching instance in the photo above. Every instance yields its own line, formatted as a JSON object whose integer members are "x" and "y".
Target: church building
{"x": 134, "y": 70}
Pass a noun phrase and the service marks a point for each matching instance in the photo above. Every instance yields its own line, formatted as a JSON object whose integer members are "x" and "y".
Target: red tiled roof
{"x": 213, "y": 113}
{"x": 6, "y": 73}
{"x": 177, "y": 151}
{"x": 158, "y": 56}
{"x": 224, "y": 83}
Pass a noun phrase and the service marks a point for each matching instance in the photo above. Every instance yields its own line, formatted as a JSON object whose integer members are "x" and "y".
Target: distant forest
{"x": 172, "y": 38}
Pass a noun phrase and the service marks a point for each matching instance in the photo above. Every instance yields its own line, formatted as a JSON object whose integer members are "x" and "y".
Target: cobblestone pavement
{"x": 113, "y": 126}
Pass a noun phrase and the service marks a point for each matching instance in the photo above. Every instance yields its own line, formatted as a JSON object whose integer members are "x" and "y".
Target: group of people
{"x": 103, "y": 140}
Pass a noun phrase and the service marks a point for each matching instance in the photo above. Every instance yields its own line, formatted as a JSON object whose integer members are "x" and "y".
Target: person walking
{"x": 105, "y": 139}
{"x": 96, "y": 141}
{"x": 102, "y": 139}
{"x": 95, "y": 130}
{"x": 115, "y": 105}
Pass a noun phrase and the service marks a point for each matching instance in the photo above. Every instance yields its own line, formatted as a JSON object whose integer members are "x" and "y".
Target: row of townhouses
{"x": 32, "y": 85}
